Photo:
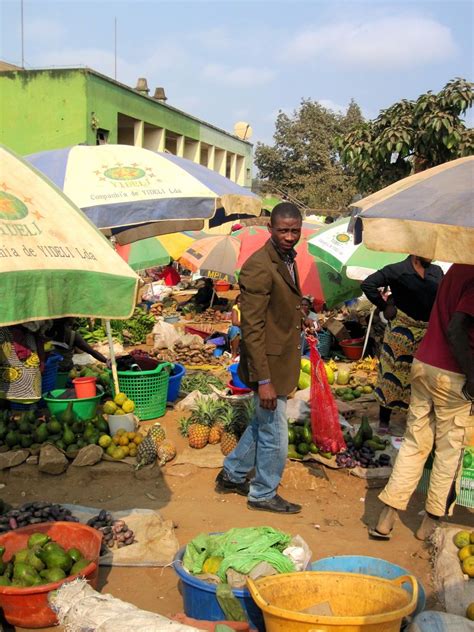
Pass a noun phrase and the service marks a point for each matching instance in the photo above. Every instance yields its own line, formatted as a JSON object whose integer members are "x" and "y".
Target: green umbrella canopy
{"x": 53, "y": 261}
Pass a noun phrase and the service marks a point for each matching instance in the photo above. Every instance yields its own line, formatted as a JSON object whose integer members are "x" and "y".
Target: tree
{"x": 410, "y": 136}
{"x": 304, "y": 161}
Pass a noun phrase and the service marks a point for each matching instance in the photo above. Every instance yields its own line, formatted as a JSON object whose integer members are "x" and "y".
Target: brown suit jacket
{"x": 271, "y": 320}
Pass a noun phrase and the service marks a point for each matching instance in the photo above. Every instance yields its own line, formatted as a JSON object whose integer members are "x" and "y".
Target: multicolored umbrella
{"x": 157, "y": 251}
{"x": 134, "y": 193}
{"x": 317, "y": 278}
{"x": 55, "y": 262}
{"x": 335, "y": 246}
{"x": 430, "y": 214}
{"x": 214, "y": 257}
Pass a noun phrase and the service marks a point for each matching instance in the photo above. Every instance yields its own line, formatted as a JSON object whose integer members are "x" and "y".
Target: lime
{"x": 303, "y": 448}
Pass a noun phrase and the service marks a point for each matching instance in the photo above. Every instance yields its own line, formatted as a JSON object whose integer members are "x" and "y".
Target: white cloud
{"x": 393, "y": 42}
{"x": 329, "y": 104}
{"x": 243, "y": 76}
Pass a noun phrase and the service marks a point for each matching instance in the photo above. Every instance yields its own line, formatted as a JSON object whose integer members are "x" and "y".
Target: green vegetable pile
{"x": 42, "y": 562}
{"x": 131, "y": 331}
{"x": 200, "y": 381}
{"x": 65, "y": 431}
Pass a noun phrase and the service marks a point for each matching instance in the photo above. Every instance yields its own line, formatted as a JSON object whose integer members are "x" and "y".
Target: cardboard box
{"x": 337, "y": 328}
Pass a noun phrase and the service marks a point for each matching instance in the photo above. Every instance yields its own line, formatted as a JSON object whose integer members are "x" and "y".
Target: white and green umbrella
{"x": 53, "y": 260}
{"x": 335, "y": 246}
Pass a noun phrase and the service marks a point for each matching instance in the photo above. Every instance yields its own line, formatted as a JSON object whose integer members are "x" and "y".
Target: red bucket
{"x": 236, "y": 390}
{"x": 28, "y": 607}
{"x": 85, "y": 387}
{"x": 352, "y": 348}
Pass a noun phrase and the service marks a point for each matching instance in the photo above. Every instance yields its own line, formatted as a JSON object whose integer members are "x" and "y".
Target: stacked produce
{"x": 192, "y": 353}
{"x": 216, "y": 421}
{"x": 362, "y": 448}
{"x": 68, "y": 433}
{"x": 98, "y": 371}
{"x": 300, "y": 441}
{"x": 131, "y": 331}
{"x": 464, "y": 540}
{"x": 34, "y": 513}
{"x": 42, "y": 562}
{"x": 122, "y": 444}
{"x": 119, "y": 405}
{"x": 115, "y": 532}
{"x": 210, "y": 316}
{"x": 155, "y": 447}
{"x": 200, "y": 381}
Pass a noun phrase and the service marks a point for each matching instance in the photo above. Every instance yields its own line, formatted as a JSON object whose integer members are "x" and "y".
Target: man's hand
{"x": 390, "y": 311}
{"x": 268, "y": 396}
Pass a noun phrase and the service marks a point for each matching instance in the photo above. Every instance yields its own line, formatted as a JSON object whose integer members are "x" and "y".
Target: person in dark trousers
{"x": 413, "y": 284}
{"x": 270, "y": 357}
{"x": 441, "y": 413}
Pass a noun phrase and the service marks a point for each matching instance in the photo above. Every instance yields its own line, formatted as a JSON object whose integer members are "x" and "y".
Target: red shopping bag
{"x": 327, "y": 433}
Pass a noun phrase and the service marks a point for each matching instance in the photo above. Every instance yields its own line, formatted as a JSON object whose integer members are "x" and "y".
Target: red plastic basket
{"x": 28, "y": 607}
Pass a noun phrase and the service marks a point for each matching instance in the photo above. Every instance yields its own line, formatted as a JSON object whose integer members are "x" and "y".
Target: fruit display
{"x": 131, "y": 331}
{"x": 119, "y": 405}
{"x": 116, "y": 533}
{"x": 216, "y": 421}
{"x": 300, "y": 442}
{"x": 31, "y": 430}
{"x": 464, "y": 541}
{"x": 349, "y": 393}
{"x": 362, "y": 449}
{"x": 98, "y": 371}
{"x": 43, "y": 561}
{"x": 155, "y": 447}
{"x": 122, "y": 444}
{"x": 34, "y": 513}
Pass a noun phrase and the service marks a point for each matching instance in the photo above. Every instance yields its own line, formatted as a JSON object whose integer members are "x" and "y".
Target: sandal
{"x": 373, "y": 533}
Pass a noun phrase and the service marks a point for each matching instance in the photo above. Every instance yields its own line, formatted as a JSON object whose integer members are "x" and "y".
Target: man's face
{"x": 285, "y": 232}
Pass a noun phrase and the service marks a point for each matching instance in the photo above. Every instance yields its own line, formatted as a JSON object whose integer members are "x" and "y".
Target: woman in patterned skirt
{"x": 413, "y": 284}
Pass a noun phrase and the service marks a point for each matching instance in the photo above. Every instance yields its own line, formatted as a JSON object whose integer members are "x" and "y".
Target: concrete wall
{"x": 42, "y": 110}
{"x": 50, "y": 109}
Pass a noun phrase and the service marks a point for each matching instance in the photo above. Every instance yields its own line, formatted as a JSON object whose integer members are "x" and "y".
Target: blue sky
{"x": 227, "y": 61}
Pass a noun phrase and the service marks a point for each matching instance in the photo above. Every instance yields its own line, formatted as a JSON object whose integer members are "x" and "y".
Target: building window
{"x": 102, "y": 136}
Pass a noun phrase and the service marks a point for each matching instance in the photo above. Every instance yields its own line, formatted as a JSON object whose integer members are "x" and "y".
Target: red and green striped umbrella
{"x": 317, "y": 278}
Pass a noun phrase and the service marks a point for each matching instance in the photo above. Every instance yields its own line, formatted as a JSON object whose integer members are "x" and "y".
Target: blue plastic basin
{"x": 373, "y": 566}
{"x": 235, "y": 378}
{"x": 175, "y": 382}
{"x": 200, "y": 601}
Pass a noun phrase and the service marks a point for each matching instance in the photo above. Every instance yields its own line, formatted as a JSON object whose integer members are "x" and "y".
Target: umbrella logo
{"x": 11, "y": 207}
{"x": 124, "y": 173}
{"x": 343, "y": 238}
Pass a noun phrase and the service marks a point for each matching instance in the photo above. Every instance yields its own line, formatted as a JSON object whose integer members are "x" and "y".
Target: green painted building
{"x": 55, "y": 108}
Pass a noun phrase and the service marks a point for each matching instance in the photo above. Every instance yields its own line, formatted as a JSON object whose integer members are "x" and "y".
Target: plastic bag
{"x": 164, "y": 335}
{"x": 325, "y": 426}
{"x": 241, "y": 549}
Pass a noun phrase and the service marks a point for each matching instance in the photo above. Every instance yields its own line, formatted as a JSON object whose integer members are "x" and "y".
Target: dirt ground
{"x": 337, "y": 508}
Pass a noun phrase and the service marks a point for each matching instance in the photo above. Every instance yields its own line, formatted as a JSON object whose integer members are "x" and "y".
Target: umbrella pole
{"x": 113, "y": 363}
{"x": 369, "y": 326}
{"x": 213, "y": 297}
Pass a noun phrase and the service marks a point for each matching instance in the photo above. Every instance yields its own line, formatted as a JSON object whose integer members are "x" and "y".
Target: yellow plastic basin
{"x": 359, "y": 603}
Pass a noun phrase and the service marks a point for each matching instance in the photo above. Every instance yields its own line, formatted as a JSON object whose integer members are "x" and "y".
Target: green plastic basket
{"x": 148, "y": 389}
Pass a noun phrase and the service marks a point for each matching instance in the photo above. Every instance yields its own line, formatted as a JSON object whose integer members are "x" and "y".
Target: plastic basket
{"x": 174, "y": 384}
{"x": 148, "y": 389}
{"x": 324, "y": 343}
{"x": 50, "y": 372}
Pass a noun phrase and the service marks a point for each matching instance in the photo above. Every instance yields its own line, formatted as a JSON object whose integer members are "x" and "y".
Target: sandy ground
{"x": 336, "y": 510}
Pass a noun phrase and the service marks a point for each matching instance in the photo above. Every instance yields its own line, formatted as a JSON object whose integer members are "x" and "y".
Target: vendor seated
{"x": 169, "y": 274}
{"x": 65, "y": 340}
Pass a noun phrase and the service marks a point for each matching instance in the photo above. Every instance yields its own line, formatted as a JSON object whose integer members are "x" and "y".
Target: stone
{"x": 88, "y": 455}
{"x": 13, "y": 458}
{"x": 299, "y": 477}
{"x": 52, "y": 460}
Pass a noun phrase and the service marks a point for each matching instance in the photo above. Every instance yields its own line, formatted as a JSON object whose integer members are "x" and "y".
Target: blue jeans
{"x": 263, "y": 446}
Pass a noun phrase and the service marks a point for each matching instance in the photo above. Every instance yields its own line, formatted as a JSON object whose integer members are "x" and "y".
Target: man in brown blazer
{"x": 270, "y": 357}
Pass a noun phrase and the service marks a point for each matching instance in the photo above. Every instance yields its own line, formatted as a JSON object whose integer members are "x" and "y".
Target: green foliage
{"x": 410, "y": 136}
{"x": 304, "y": 161}
{"x": 131, "y": 331}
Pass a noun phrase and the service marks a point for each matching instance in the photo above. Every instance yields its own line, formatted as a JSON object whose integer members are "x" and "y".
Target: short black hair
{"x": 285, "y": 209}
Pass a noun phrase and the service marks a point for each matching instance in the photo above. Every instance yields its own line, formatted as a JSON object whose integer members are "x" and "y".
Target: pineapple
{"x": 166, "y": 451}
{"x": 146, "y": 452}
{"x": 229, "y": 437}
{"x": 215, "y": 433}
{"x": 198, "y": 435}
{"x": 157, "y": 434}
{"x": 183, "y": 425}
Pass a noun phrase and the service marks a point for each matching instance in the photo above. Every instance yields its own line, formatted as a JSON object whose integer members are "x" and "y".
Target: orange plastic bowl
{"x": 28, "y": 607}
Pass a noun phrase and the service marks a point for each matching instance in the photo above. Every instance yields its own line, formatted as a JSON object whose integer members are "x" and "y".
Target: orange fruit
{"x": 115, "y": 439}
{"x": 138, "y": 438}
{"x": 124, "y": 440}
{"x": 125, "y": 449}
{"x": 131, "y": 435}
